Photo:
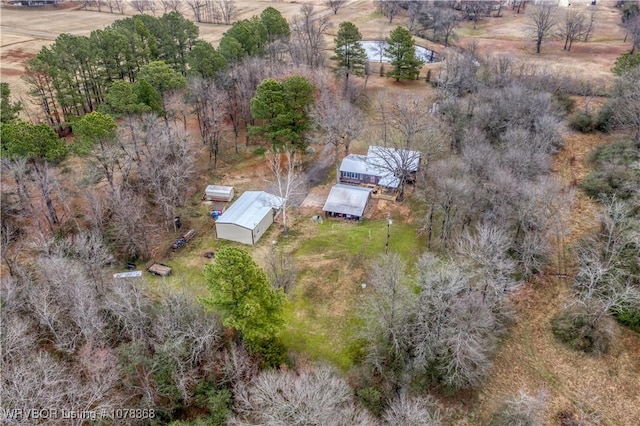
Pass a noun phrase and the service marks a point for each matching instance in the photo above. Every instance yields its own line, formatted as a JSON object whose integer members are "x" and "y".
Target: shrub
{"x": 564, "y": 102}
{"x": 604, "y": 119}
{"x": 613, "y": 172}
{"x": 629, "y": 317}
{"x": 260, "y": 150}
{"x": 582, "y": 121}
{"x": 372, "y": 399}
{"x": 583, "y": 331}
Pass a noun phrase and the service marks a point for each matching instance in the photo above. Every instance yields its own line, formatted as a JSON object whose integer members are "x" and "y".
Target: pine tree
{"x": 350, "y": 54}
{"x": 401, "y": 49}
{"x": 241, "y": 291}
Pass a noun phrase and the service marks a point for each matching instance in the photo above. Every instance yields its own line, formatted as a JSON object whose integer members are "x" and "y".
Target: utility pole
{"x": 389, "y": 222}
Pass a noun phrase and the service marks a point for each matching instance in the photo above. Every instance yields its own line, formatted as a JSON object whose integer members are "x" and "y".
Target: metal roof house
{"x": 381, "y": 166}
{"x": 347, "y": 201}
{"x": 249, "y": 217}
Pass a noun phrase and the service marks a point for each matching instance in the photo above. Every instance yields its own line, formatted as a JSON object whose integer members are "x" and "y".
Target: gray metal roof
{"x": 379, "y": 162}
{"x": 250, "y": 209}
{"x": 347, "y": 199}
{"x": 356, "y": 164}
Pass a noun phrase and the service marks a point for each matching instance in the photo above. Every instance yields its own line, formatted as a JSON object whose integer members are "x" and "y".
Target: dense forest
{"x": 128, "y": 112}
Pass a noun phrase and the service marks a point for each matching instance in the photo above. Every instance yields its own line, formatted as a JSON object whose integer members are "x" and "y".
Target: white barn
{"x": 249, "y": 217}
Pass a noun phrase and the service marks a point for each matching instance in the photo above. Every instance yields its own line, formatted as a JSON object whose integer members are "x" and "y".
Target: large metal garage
{"x": 249, "y": 217}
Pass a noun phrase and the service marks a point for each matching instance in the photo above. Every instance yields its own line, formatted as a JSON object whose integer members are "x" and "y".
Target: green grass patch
{"x": 343, "y": 239}
{"x": 321, "y": 316}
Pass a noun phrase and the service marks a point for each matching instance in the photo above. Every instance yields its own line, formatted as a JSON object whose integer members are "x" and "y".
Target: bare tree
{"x": 197, "y": 6}
{"x": 340, "y": 121}
{"x": 307, "y": 43}
{"x": 543, "y": 20}
{"x": 141, "y": 6}
{"x": 314, "y": 396}
{"x": 171, "y": 5}
{"x": 388, "y": 8}
{"x": 572, "y": 27}
{"x": 209, "y": 104}
{"x": 624, "y": 99}
{"x": 632, "y": 27}
{"x": 228, "y": 10}
{"x": 407, "y": 411}
{"x": 523, "y": 409}
{"x": 335, "y": 5}
{"x": 388, "y": 315}
{"x": 281, "y": 269}
{"x": 289, "y": 184}
{"x": 488, "y": 249}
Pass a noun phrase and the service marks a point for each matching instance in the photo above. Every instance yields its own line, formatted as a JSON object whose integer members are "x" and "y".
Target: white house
{"x": 249, "y": 217}
{"x": 383, "y": 166}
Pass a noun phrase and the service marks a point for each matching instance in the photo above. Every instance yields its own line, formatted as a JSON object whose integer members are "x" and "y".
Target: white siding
{"x": 261, "y": 227}
{"x": 229, "y": 231}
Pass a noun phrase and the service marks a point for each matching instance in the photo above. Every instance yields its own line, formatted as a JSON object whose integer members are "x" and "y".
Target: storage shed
{"x": 249, "y": 217}
{"x": 347, "y": 201}
{"x": 218, "y": 193}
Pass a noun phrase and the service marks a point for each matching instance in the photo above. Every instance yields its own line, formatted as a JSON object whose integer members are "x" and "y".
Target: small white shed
{"x": 219, "y": 193}
{"x": 249, "y": 217}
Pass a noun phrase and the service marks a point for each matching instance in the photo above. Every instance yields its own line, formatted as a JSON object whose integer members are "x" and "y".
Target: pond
{"x": 375, "y": 52}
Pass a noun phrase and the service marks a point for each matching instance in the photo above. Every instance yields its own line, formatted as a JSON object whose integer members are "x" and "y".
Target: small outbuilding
{"x": 249, "y": 217}
{"x": 347, "y": 201}
{"x": 218, "y": 193}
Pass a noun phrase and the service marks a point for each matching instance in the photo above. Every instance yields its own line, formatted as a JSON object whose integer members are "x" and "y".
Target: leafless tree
{"x": 624, "y": 98}
{"x": 524, "y": 409}
{"x": 388, "y": 8}
{"x": 130, "y": 310}
{"x": 197, "y": 7}
{"x": 167, "y": 169}
{"x": 171, "y": 5}
{"x": 340, "y": 121}
{"x": 488, "y": 249}
{"x": 543, "y": 20}
{"x": 408, "y": 411}
{"x": 335, "y": 5}
{"x": 387, "y": 315}
{"x": 141, "y": 6}
{"x": 46, "y": 182}
{"x": 307, "y": 43}
{"x": 314, "y": 396}
{"x": 209, "y": 104}
{"x": 591, "y": 24}
{"x": 288, "y": 183}
{"x": 632, "y": 27}
{"x": 130, "y": 229}
{"x": 572, "y": 27}
{"x": 281, "y": 269}
{"x": 228, "y": 10}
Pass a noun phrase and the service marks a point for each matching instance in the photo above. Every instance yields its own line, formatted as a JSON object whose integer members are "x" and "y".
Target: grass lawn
{"x": 321, "y": 316}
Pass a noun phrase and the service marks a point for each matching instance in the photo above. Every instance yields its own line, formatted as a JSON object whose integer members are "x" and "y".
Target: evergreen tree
{"x": 350, "y": 54}
{"x": 401, "y": 49}
{"x": 204, "y": 60}
{"x": 8, "y": 110}
{"x": 283, "y": 107}
{"x": 241, "y": 291}
{"x": 276, "y": 25}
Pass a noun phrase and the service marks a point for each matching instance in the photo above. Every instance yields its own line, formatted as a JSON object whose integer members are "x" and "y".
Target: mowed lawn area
{"x": 322, "y": 312}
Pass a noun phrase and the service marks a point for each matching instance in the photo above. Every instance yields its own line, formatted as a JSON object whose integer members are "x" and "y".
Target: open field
{"x": 333, "y": 256}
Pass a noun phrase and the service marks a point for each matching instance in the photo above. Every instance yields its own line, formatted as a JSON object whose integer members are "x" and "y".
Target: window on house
{"x": 351, "y": 175}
